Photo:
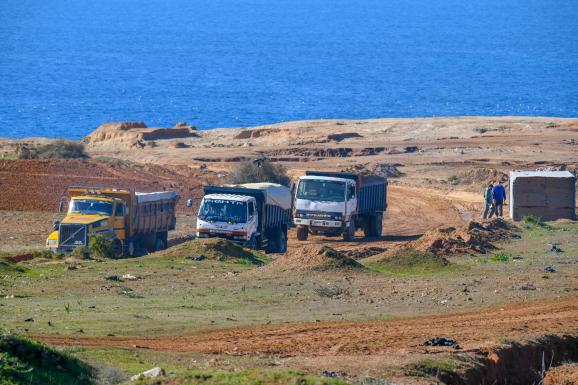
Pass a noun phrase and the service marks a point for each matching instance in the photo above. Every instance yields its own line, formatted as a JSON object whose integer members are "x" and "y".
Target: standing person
{"x": 489, "y": 209}
{"x": 499, "y": 197}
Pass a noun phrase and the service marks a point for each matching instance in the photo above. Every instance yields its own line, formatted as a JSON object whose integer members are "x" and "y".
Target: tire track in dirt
{"x": 472, "y": 329}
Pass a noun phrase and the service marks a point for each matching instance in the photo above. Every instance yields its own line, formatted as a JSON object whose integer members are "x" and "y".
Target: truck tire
{"x": 117, "y": 249}
{"x": 282, "y": 243}
{"x": 129, "y": 248}
{"x": 160, "y": 244}
{"x": 378, "y": 225}
{"x": 368, "y": 227}
{"x": 302, "y": 233}
{"x": 349, "y": 233}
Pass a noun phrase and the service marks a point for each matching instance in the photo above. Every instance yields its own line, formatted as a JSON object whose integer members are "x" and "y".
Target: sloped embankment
{"x": 214, "y": 249}
{"x": 23, "y": 361}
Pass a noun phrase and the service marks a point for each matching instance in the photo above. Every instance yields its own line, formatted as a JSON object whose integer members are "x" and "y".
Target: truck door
{"x": 119, "y": 221}
{"x": 252, "y": 220}
{"x": 351, "y": 199}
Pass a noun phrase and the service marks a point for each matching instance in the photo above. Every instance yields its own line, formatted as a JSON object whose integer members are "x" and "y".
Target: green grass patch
{"x": 501, "y": 257}
{"x": 216, "y": 249}
{"x": 244, "y": 377}
{"x": 532, "y": 220}
{"x": 412, "y": 262}
{"x": 428, "y": 367}
{"x": 23, "y": 361}
{"x": 11, "y": 268}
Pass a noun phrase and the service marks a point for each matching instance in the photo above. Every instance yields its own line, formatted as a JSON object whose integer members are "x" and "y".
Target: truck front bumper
{"x": 231, "y": 237}
{"x": 317, "y": 223}
{"x": 63, "y": 249}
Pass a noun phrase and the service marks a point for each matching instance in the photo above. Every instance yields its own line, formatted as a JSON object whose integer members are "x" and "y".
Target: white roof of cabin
{"x": 540, "y": 174}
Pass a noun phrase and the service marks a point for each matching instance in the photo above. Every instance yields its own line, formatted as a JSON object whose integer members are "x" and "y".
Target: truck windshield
{"x": 90, "y": 206}
{"x": 321, "y": 190}
{"x": 218, "y": 210}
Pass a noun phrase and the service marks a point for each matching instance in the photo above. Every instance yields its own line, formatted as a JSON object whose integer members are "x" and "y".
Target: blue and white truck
{"x": 256, "y": 215}
{"x": 339, "y": 203}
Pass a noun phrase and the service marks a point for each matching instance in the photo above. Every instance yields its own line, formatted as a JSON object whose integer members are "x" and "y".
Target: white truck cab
{"x": 338, "y": 203}
{"x": 322, "y": 201}
{"x": 228, "y": 216}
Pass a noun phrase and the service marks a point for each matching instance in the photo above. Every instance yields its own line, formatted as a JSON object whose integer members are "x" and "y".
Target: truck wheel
{"x": 378, "y": 225}
{"x": 349, "y": 233}
{"x": 282, "y": 243}
{"x": 160, "y": 244}
{"x": 368, "y": 227}
{"x": 302, "y": 233}
{"x": 130, "y": 249}
{"x": 253, "y": 244}
{"x": 117, "y": 249}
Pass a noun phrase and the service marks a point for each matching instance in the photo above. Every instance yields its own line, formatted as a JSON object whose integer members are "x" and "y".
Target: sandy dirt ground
{"x": 442, "y": 163}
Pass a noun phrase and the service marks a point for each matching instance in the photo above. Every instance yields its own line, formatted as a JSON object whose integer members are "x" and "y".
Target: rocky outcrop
{"x": 136, "y": 134}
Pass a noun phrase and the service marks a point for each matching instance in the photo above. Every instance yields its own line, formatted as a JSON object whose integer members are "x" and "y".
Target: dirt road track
{"x": 473, "y": 329}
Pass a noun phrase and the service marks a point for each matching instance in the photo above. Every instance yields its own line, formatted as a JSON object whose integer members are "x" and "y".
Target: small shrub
{"x": 430, "y": 367}
{"x": 100, "y": 246}
{"x": 453, "y": 180}
{"x": 501, "y": 257}
{"x": 58, "y": 256}
{"x": 532, "y": 220}
{"x": 260, "y": 170}
{"x": 42, "y": 254}
{"x": 81, "y": 252}
{"x": 57, "y": 149}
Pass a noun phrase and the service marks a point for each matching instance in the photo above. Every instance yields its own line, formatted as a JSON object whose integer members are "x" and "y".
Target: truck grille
{"x": 72, "y": 235}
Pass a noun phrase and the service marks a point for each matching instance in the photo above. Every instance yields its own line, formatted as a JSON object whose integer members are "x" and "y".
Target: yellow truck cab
{"x": 131, "y": 220}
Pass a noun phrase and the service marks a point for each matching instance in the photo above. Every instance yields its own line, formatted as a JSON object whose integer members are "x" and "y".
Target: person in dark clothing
{"x": 499, "y": 198}
{"x": 488, "y": 201}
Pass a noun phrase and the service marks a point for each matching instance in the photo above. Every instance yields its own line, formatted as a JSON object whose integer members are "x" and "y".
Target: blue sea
{"x": 66, "y": 66}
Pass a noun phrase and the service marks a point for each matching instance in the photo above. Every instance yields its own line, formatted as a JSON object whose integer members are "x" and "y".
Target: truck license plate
{"x": 318, "y": 223}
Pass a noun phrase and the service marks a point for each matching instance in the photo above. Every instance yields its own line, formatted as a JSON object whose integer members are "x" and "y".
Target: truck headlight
{"x": 51, "y": 243}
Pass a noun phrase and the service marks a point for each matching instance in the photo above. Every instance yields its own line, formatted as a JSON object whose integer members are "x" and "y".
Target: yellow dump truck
{"x": 132, "y": 220}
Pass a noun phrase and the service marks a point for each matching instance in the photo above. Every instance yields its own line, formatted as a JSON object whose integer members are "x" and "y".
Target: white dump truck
{"x": 337, "y": 203}
{"x": 256, "y": 215}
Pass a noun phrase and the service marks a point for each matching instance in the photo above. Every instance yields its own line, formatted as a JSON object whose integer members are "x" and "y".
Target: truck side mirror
{"x": 189, "y": 203}
{"x": 55, "y": 224}
{"x": 61, "y": 206}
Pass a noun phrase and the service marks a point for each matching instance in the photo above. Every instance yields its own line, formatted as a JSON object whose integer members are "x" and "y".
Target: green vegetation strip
{"x": 244, "y": 377}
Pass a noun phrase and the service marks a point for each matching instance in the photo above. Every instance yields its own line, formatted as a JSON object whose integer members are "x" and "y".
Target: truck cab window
{"x": 251, "y": 209}
{"x": 119, "y": 210}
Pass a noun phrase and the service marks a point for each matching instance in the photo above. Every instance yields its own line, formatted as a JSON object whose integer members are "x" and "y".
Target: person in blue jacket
{"x": 499, "y": 198}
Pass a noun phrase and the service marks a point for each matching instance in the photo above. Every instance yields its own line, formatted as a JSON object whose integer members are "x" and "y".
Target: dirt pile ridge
{"x": 213, "y": 249}
{"x": 476, "y": 237}
{"x": 562, "y": 375}
{"x": 312, "y": 257}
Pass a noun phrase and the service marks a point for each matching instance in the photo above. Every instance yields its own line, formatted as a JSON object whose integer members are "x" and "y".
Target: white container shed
{"x": 549, "y": 195}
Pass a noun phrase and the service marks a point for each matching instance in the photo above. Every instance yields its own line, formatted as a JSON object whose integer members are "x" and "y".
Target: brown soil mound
{"x": 313, "y": 257}
{"x": 562, "y": 375}
{"x": 38, "y": 185}
{"x": 474, "y": 238}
